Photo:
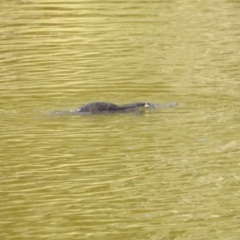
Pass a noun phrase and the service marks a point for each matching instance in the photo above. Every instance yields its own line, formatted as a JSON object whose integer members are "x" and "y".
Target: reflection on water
{"x": 167, "y": 173}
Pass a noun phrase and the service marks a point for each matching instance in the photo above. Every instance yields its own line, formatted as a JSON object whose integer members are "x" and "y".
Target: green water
{"x": 170, "y": 173}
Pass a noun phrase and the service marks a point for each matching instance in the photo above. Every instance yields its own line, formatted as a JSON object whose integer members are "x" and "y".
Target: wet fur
{"x": 98, "y": 107}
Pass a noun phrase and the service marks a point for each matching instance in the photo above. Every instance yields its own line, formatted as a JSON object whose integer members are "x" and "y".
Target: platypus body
{"x": 105, "y": 107}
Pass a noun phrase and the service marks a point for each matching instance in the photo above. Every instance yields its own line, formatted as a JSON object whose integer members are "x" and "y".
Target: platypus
{"x": 100, "y": 107}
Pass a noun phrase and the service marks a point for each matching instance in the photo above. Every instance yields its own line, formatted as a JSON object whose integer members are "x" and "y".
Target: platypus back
{"x": 98, "y": 107}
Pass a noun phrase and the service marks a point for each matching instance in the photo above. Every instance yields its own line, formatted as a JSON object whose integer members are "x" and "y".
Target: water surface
{"x": 170, "y": 173}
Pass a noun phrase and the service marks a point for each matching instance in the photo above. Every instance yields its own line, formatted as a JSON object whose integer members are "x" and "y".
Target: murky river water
{"x": 164, "y": 174}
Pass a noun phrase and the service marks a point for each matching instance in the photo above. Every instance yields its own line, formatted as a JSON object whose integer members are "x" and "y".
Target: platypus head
{"x": 146, "y": 105}
{"x": 150, "y": 105}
